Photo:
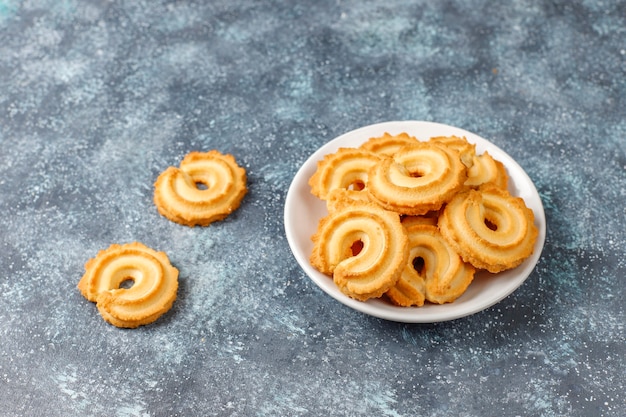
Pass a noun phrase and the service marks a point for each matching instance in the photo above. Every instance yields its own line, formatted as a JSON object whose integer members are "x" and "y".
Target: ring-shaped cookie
{"x": 417, "y": 179}
{"x": 347, "y": 168}
{"x": 205, "y": 188}
{"x": 490, "y": 228}
{"x": 388, "y": 144}
{"x": 481, "y": 168}
{"x": 363, "y": 247}
{"x": 154, "y": 284}
{"x": 485, "y": 170}
{"x": 434, "y": 271}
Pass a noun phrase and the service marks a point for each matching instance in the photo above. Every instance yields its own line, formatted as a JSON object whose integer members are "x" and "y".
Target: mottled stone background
{"x": 97, "y": 97}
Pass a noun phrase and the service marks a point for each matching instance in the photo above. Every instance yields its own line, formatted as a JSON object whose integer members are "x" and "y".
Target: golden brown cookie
{"x": 154, "y": 284}
{"x": 205, "y": 188}
{"x": 485, "y": 170}
{"x": 363, "y": 247}
{"x": 489, "y": 228}
{"x": 347, "y": 168}
{"x": 481, "y": 168}
{"x": 388, "y": 144}
{"x": 417, "y": 179}
{"x": 434, "y": 271}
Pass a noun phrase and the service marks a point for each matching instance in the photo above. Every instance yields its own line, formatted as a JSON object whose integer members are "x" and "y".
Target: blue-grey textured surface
{"x": 98, "y": 97}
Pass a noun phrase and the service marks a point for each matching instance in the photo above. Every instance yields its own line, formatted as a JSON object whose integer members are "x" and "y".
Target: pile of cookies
{"x": 414, "y": 220}
{"x": 132, "y": 284}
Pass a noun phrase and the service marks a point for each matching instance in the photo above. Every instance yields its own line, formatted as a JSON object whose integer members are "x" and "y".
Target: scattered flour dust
{"x": 77, "y": 391}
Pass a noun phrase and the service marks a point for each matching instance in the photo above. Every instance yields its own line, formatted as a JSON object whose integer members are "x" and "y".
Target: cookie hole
{"x": 201, "y": 186}
{"x": 357, "y": 185}
{"x": 490, "y": 225}
{"x": 127, "y": 283}
{"x": 416, "y": 174}
{"x": 418, "y": 264}
{"x": 356, "y": 247}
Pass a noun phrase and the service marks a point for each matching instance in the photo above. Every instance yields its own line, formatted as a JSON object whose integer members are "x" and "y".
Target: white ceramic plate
{"x": 303, "y": 211}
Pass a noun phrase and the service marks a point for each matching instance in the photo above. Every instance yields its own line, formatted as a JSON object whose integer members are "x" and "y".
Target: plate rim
{"x": 382, "y": 309}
